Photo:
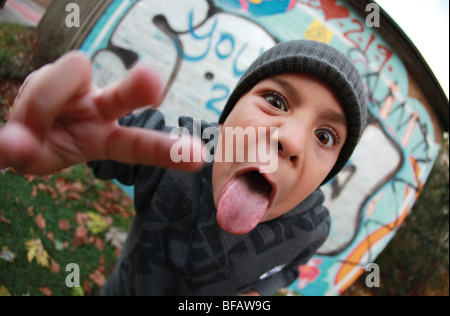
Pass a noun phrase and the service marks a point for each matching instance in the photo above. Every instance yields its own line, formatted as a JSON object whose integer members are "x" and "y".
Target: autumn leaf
{"x": 69, "y": 190}
{"x": 99, "y": 243}
{"x": 96, "y": 223}
{"x": 30, "y": 178}
{"x": 61, "y": 186}
{"x": 59, "y": 245}
{"x": 30, "y": 211}
{"x": 35, "y": 250}
{"x": 87, "y": 287}
{"x": 4, "y": 291}
{"x": 34, "y": 191}
{"x": 51, "y": 237}
{"x": 98, "y": 278}
{"x": 64, "y": 224}
{"x": 46, "y": 291}
{"x": 80, "y": 237}
{"x": 7, "y": 255}
{"x": 81, "y": 218}
{"x": 117, "y": 236}
{"x": 40, "y": 221}
{"x": 4, "y": 220}
{"x": 100, "y": 209}
{"x": 48, "y": 189}
{"x": 54, "y": 267}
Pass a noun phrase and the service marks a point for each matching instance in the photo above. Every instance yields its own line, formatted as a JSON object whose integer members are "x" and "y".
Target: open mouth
{"x": 244, "y": 202}
{"x": 257, "y": 183}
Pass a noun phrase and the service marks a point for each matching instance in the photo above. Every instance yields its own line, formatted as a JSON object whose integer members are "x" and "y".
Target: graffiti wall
{"x": 202, "y": 47}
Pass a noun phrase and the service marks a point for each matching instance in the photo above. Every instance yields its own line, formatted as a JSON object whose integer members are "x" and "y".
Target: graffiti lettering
{"x": 211, "y": 104}
{"x": 192, "y": 32}
{"x": 224, "y": 48}
{"x": 225, "y": 38}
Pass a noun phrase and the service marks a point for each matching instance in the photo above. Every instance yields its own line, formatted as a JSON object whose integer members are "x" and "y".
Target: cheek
{"x": 299, "y": 185}
{"x": 241, "y": 119}
{"x": 322, "y": 163}
{"x": 298, "y": 193}
{"x": 246, "y": 112}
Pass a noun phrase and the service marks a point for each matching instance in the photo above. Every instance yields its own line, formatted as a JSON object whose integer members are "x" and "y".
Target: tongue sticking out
{"x": 243, "y": 203}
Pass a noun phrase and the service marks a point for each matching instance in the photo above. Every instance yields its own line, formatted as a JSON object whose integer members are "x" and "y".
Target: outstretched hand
{"x": 60, "y": 119}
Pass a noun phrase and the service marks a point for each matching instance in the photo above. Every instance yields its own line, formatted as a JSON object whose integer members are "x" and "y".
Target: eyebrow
{"x": 327, "y": 115}
{"x": 288, "y": 88}
{"x": 333, "y": 116}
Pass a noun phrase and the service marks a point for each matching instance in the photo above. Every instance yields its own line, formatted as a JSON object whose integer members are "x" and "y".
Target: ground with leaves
{"x": 48, "y": 223}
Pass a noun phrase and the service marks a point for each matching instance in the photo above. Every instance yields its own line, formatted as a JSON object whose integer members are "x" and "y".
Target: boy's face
{"x": 311, "y": 130}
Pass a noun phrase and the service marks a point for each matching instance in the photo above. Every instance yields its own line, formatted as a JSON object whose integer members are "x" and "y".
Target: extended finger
{"x": 142, "y": 87}
{"x": 51, "y": 89}
{"x": 149, "y": 147}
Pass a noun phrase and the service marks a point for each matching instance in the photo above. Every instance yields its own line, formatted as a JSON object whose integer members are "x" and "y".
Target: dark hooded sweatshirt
{"x": 176, "y": 247}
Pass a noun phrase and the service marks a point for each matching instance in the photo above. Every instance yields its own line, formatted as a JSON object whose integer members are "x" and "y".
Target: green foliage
{"x": 21, "y": 51}
{"x": 17, "y": 45}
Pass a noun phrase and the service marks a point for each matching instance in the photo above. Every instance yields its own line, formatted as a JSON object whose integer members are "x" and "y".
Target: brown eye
{"x": 276, "y": 101}
{"x": 327, "y": 138}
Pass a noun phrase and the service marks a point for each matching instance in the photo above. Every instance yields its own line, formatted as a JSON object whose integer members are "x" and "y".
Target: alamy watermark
{"x": 252, "y": 144}
{"x": 73, "y": 278}
{"x": 373, "y": 18}
{"x": 73, "y": 16}
{"x": 373, "y": 278}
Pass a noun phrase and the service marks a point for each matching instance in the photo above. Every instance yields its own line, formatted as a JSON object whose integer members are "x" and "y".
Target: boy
{"x": 225, "y": 228}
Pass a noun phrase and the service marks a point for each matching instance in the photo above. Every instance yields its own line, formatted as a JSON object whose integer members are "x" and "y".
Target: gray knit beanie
{"x": 327, "y": 64}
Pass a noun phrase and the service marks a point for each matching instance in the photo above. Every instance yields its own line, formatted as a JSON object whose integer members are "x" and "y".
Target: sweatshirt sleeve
{"x": 126, "y": 173}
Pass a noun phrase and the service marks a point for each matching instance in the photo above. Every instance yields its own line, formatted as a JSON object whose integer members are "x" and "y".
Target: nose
{"x": 292, "y": 142}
